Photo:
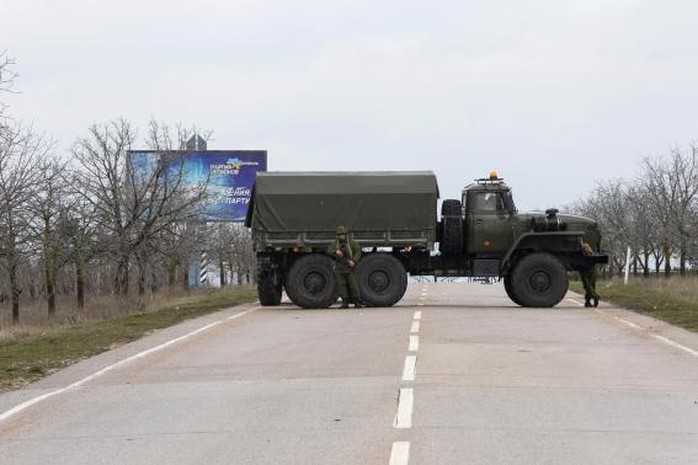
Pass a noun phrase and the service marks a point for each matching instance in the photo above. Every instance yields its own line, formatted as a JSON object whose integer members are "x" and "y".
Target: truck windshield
{"x": 486, "y": 202}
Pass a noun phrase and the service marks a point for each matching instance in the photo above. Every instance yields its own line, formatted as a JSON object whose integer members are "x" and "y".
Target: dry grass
{"x": 29, "y": 352}
{"x": 686, "y": 286}
{"x": 34, "y": 314}
{"x": 674, "y": 300}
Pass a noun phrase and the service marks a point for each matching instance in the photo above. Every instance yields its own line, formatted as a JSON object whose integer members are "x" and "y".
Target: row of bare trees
{"x": 655, "y": 214}
{"x": 101, "y": 219}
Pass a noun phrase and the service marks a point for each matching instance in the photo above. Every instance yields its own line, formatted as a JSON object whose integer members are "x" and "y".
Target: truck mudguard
{"x": 559, "y": 242}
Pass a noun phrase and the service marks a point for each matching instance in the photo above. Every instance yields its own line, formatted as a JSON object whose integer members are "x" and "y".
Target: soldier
{"x": 347, "y": 253}
{"x": 588, "y": 276}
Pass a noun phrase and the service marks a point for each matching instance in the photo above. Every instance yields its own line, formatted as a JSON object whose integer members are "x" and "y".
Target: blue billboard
{"x": 230, "y": 176}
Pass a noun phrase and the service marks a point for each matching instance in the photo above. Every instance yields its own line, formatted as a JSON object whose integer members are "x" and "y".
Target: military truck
{"x": 393, "y": 216}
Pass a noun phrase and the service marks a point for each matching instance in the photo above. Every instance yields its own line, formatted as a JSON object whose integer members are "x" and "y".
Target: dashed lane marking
{"x": 409, "y": 372}
{"x": 400, "y": 453}
{"x": 414, "y": 343}
{"x": 23, "y": 406}
{"x": 415, "y": 327}
{"x": 418, "y": 315}
{"x": 403, "y": 419}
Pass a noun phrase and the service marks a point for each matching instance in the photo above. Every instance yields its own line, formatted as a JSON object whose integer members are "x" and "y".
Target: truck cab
{"x": 490, "y": 218}
{"x": 531, "y": 252}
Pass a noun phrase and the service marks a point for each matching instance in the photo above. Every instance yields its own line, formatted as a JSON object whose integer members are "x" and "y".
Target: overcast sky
{"x": 555, "y": 95}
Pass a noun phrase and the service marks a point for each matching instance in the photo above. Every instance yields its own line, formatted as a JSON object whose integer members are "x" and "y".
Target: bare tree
{"x": 240, "y": 256}
{"x": 175, "y": 246}
{"x": 683, "y": 168}
{"x": 608, "y": 204}
{"x": 79, "y": 232}
{"x": 672, "y": 190}
{"x": 101, "y": 176}
{"x": 171, "y": 201}
{"x": 657, "y": 215}
{"x": 644, "y": 231}
{"x": 20, "y": 176}
{"x": 136, "y": 196}
{"x": 7, "y": 77}
{"x": 48, "y": 207}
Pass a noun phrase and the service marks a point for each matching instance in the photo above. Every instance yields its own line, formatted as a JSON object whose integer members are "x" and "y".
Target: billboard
{"x": 231, "y": 175}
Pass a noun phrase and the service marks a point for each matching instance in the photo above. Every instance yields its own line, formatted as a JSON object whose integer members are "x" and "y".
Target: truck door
{"x": 490, "y": 232}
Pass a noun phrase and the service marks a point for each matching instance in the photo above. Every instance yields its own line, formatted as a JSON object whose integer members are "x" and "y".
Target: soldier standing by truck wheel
{"x": 588, "y": 275}
{"x": 347, "y": 255}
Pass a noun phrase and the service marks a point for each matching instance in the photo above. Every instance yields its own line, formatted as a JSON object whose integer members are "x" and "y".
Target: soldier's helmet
{"x": 342, "y": 230}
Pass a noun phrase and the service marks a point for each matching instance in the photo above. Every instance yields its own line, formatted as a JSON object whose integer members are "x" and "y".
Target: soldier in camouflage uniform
{"x": 588, "y": 275}
{"x": 347, "y": 253}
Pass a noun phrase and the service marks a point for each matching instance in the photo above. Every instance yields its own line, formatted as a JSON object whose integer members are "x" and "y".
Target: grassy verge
{"x": 640, "y": 297}
{"x": 34, "y": 354}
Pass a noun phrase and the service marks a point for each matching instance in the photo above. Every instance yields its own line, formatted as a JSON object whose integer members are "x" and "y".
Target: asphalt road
{"x": 455, "y": 374}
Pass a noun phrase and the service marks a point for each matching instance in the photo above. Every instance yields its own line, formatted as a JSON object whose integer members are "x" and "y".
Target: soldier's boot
{"x": 596, "y": 301}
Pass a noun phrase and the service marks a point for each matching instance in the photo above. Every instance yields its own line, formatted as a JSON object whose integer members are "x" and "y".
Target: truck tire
{"x": 382, "y": 280}
{"x": 451, "y": 236}
{"x": 451, "y": 207}
{"x": 311, "y": 282}
{"x": 510, "y": 291}
{"x": 268, "y": 291}
{"x": 452, "y": 240}
{"x": 539, "y": 280}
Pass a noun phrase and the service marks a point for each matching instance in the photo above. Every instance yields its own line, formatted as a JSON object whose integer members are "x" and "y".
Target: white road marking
{"x": 403, "y": 419}
{"x": 420, "y": 304}
{"x": 400, "y": 454}
{"x": 663, "y": 339}
{"x": 676, "y": 344}
{"x": 418, "y": 315}
{"x": 23, "y": 406}
{"x": 629, "y": 323}
{"x": 574, "y": 302}
{"x": 410, "y": 371}
{"x": 414, "y": 343}
{"x": 415, "y": 327}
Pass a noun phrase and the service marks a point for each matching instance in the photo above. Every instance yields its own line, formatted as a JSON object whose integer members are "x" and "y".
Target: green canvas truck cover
{"x": 379, "y": 208}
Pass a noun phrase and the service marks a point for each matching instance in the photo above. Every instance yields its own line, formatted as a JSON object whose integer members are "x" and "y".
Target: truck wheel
{"x": 510, "y": 292}
{"x": 452, "y": 240}
{"x": 451, "y": 228}
{"x": 311, "y": 282}
{"x": 451, "y": 207}
{"x": 382, "y": 280}
{"x": 268, "y": 291}
{"x": 539, "y": 280}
